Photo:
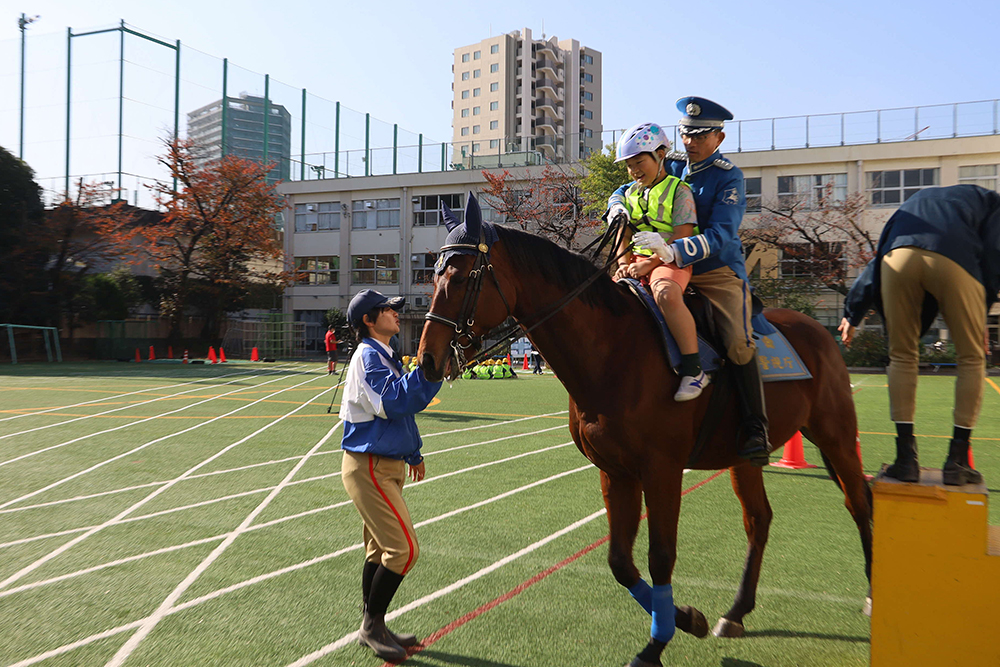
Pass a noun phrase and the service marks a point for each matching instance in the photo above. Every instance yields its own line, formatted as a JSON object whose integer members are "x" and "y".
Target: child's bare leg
{"x": 670, "y": 299}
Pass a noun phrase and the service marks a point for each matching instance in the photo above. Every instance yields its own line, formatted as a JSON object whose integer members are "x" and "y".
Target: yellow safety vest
{"x": 652, "y": 209}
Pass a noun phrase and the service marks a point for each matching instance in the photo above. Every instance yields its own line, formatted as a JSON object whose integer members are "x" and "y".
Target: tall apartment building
{"x": 518, "y": 95}
{"x": 245, "y": 131}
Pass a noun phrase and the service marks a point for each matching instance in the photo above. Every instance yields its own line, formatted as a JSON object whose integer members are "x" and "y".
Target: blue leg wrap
{"x": 643, "y": 594}
{"x": 663, "y": 613}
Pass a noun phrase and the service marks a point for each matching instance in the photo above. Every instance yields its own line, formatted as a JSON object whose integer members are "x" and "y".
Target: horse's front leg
{"x": 748, "y": 483}
{"x": 662, "y": 486}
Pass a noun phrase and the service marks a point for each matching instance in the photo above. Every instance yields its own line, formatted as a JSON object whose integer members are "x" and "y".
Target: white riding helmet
{"x": 641, "y": 138}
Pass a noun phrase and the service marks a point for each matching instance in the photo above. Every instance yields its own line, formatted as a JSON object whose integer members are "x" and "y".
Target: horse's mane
{"x": 561, "y": 267}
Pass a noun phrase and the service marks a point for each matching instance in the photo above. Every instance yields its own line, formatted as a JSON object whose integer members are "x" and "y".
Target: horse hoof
{"x": 727, "y": 628}
{"x": 867, "y": 610}
{"x": 698, "y": 624}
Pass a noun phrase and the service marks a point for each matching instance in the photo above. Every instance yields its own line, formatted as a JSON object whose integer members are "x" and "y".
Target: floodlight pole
{"x": 23, "y": 23}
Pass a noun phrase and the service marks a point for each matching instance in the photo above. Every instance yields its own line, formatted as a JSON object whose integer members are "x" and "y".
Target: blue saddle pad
{"x": 777, "y": 359}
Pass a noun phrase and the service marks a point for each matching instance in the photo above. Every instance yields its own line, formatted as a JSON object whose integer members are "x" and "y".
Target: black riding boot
{"x": 755, "y": 445}
{"x": 957, "y": 469}
{"x": 906, "y": 468}
{"x": 379, "y": 585}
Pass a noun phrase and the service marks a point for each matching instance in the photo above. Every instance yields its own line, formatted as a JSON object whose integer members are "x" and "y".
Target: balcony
{"x": 547, "y": 50}
{"x": 548, "y": 87}
{"x": 545, "y": 125}
{"x": 550, "y": 69}
{"x": 550, "y": 106}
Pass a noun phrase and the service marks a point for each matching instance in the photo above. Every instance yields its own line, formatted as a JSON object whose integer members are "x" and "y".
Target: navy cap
{"x": 368, "y": 300}
{"x": 701, "y": 115}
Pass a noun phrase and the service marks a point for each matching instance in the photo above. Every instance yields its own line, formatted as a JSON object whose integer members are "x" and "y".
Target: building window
{"x": 476, "y": 91}
{"x": 422, "y": 265}
{"x": 427, "y": 209}
{"x": 752, "y": 187}
{"x": 465, "y": 113}
{"x": 589, "y": 78}
{"x": 476, "y": 55}
{"x": 811, "y": 192}
{"x": 475, "y": 148}
{"x": 588, "y": 114}
{"x": 494, "y": 143}
{"x": 587, "y": 60}
{"x": 588, "y": 133}
{"x": 810, "y": 260}
{"x": 375, "y": 269}
{"x": 475, "y": 129}
{"x": 495, "y": 67}
{"x": 494, "y": 106}
{"x": 588, "y": 96}
{"x": 465, "y": 131}
{"x": 475, "y": 111}
{"x": 465, "y": 94}
{"x": 984, "y": 175}
{"x": 465, "y": 57}
{"x": 317, "y": 270}
{"x": 375, "y": 213}
{"x": 494, "y": 87}
{"x": 892, "y": 188}
{"x": 476, "y": 73}
{"x": 465, "y": 76}
{"x": 321, "y": 217}
{"x": 494, "y": 124}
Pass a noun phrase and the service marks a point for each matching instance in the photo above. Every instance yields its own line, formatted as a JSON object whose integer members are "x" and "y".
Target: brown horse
{"x": 603, "y": 346}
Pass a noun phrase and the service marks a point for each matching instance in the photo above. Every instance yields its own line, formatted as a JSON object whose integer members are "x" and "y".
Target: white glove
{"x": 615, "y": 211}
{"x": 653, "y": 241}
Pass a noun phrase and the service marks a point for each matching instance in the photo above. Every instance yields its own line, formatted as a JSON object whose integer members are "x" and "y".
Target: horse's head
{"x": 467, "y": 301}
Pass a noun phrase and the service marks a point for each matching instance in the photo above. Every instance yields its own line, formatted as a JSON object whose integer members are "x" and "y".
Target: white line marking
{"x": 121, "y": 515}
{"x": 125, "y": 407}
{"x": 512, "y": 421}
{"x": 141, "y": 421}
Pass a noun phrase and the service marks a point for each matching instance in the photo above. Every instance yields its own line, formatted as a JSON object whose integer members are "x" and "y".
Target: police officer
{"x": 939, "y": 251}
{"x": 716, "y": 253}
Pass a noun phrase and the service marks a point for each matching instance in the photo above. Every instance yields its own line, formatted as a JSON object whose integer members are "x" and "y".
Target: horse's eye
{"x": 459, "y": 280}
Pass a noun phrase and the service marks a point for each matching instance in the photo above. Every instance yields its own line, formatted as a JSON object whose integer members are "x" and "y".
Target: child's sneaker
{"x": 691, "y": 387}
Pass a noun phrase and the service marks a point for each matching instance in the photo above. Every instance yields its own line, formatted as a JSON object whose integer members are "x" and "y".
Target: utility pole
{"x": 23, "y": 23}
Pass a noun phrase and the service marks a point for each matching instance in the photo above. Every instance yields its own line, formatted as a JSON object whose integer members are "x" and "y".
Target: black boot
{"x": 755, "y": 445}
{"x": 957, "y": 469}
{"x": 906, "y": 468}
{"x": 378, "y": 585}
{"x": 377, "y": 637}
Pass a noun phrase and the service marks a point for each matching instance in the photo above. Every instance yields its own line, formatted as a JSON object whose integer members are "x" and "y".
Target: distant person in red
{"x": 331, "y": 351}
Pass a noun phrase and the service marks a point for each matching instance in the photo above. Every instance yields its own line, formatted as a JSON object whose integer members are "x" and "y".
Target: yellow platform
{"x": 935, "y": 575}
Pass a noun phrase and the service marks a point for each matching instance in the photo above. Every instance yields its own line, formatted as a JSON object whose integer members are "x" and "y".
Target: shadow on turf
{"x": 791, "y": 634}
{"x": 733, "y": 662}
{"x": 451, "y": 659}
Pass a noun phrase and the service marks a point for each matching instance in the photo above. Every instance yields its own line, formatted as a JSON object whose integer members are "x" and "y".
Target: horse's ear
{"x": 450, "y": 220}
{"x": 473, "y": 216}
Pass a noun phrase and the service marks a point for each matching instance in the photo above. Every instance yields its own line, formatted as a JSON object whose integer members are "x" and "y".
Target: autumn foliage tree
{"x": 548, "y": 204}
{"x": 217, "y": 238}
{"x": 603, "y": 177}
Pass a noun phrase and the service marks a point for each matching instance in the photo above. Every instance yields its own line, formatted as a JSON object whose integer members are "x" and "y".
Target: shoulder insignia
{"x": 676, "y": 155}
{"x": 723, "y": 163}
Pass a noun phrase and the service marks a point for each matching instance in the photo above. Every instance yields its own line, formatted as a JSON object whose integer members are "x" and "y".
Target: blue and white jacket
{"x": 380, "y": 402}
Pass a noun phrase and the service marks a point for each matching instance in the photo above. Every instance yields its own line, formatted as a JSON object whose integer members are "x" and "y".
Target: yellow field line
{"x": 994, "y": 385}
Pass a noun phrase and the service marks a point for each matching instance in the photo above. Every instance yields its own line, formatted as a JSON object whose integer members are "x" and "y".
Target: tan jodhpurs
{"x": 731, "y": 297}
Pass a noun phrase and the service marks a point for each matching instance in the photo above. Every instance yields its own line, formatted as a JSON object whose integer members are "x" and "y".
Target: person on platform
{"x": 381, "y": 446}
{"x": 715, "y": 254}
{"x": 940, "y": 251}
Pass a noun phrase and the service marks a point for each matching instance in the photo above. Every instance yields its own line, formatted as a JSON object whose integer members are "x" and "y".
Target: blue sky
{"x": 393, "y": 58}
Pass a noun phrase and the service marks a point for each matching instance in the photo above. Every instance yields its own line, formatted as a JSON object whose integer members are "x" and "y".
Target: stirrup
{"x": 691, "y": 387}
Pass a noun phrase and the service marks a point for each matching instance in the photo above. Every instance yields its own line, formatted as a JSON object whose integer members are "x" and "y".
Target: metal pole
{"x": 367, "y": 158}
{"x": 69, "y": 78}
{"x": 916, "y": 122}
{"x": 22, "y": 23}
{"x": 807, "y": 131}
{"x": 878, "y": 126}
{"x": 954, "y": 120}
{"x": 395, "y": 145}
{"x": 302, "y": 166}
{"x": 772, "y": 134}
{"x": 841, "y": 129}
{"x": 13, "y": 350}
{"x": 267, "y": 115}
{"x": 420, "y": 146}
{"x": 121, "y": 100}
{"x": 739, "y": 136}
{"x": 48, "y": 346}
{"x": 444, "y": 148}
{"x": 177, "y": 99}
{"x": 55, "y": 336}
{"x": 336, "y": 144}
{"x": 225, "y": 103}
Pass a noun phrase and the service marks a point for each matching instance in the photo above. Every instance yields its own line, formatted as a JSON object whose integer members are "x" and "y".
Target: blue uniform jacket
{"x": 380, "y": 402}
{"x": 961, "y": 222}
{"x": 720, "y": 201}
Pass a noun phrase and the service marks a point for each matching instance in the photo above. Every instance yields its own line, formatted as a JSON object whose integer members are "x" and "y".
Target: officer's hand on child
{"x": 417, "y": 472}
{"x": 655, "y": 242}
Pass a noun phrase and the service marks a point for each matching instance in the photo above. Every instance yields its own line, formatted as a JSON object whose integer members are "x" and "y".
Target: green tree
{"x": 603, "y": 177}
{"x": 22, "y": 278}
{"x": 339, "y": 321}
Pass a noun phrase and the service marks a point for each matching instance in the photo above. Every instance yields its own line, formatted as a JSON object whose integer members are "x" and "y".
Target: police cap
{"x": 701, "y": 115}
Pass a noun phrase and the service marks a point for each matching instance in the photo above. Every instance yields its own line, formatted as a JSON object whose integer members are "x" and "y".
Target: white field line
{"x": 136, "y": 423}
{"x": 121, "y": 515}
{"x": 131, "y": 393}
{"x": 274, "y": 522}
{"x": 265, "y": 577}
{"x": 247, "y": 467}
{"x": 124, "y": 407}
{"x": 353, "y": 636}
{"x": 170, "y": 601}
{"x": 474, "y": 428}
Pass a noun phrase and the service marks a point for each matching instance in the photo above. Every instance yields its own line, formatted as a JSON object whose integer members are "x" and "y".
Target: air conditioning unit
{"x": 421, "y": 301}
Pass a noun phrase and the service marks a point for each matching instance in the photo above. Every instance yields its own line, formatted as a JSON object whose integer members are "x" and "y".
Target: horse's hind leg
{"x": 748, "y": 483}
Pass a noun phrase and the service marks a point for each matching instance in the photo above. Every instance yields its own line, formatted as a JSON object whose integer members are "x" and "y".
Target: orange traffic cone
{"x": 152, "y": 355}
{"x": 793, "y": 456}
{"x": 508, "y": 359}
{"x": 138, "y": 359}
{"x": 253, "y": 355}
{"x": 222, "y": 355}
{"x": 212, "y": 359}
{"x": 170, "y": 351}
{"x": 185, "y": 357}
{"x": 972, "y": 463}
{"x": 525, "y": 367}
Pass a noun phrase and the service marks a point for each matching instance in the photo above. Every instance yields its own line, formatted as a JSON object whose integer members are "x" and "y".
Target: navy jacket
{"x": 961, "y": 222}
